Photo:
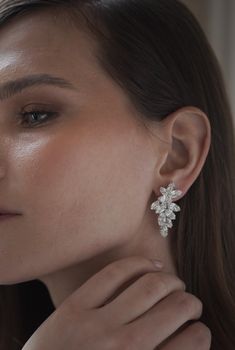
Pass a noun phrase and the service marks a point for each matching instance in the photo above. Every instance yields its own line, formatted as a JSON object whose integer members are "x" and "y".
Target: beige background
{"x": 217, "y": 17}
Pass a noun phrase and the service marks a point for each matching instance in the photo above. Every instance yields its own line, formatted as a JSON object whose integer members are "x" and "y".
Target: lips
{"x": 6, "y": 217}
{"x": 8, "y": 212}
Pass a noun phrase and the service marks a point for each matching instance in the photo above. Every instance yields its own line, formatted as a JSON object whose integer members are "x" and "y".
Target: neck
{"x": 147, "y": 243}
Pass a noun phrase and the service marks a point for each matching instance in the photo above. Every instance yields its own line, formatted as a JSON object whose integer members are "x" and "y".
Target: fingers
{"x": 164, "y": 318}
{"x": 103, "y": 285}
{"x": 142, "y": 295}
{"x": 195, "y": 336}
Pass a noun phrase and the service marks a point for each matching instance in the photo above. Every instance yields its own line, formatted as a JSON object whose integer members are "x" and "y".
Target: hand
{"x": 148, "y": 314}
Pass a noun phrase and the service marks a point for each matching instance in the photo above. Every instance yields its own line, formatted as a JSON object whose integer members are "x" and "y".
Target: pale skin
{"x": 84, "y": 181}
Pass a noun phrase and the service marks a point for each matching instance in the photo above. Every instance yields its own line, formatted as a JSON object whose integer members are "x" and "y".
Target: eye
{"x": 35, "y": 117}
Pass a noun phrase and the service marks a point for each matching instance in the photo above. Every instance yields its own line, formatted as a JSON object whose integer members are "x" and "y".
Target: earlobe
{"x": 189, "y": 132}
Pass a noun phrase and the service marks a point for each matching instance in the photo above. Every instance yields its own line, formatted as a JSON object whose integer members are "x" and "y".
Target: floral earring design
{"x": 165, "y": 207}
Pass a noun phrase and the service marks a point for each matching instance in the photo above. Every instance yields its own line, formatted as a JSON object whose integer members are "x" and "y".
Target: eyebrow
{"x": 14, "y": 87}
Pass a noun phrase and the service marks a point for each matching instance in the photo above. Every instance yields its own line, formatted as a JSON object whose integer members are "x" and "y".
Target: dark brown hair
{"x": 157, "y": 52}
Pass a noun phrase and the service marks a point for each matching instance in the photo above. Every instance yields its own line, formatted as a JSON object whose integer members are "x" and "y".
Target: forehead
{"x": 42, "y": 42}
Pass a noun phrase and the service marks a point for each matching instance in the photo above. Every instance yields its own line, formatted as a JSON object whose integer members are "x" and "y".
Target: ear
{"x": 185, "y": 138}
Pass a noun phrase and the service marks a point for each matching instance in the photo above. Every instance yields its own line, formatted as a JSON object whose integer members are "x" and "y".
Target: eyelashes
{"x": 32, "y": 119}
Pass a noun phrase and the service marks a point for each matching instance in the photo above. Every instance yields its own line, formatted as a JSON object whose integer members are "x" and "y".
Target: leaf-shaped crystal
{"x": 164, "y": 231}
{"x": 169, "y": 224}
{"x": 154, "y": 205}
{"x": 174, "y": 207}
{"x": 175, "y": 193}
{"x": 170, "y": 214}
{"x": 162, "y": 190}
{"x": 162, "y": 199}
{"x": 162, "y": 220}
{"x": 160, "y": 210}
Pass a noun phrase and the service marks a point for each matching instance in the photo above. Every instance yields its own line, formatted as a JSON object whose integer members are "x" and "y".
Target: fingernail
{"x": 157, "y": 263}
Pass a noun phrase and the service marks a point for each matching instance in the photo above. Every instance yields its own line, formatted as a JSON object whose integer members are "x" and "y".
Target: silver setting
{"x": 166, "y": 208}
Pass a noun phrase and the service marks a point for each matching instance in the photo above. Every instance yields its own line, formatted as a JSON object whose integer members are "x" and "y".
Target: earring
{"x": 165, "y": 208}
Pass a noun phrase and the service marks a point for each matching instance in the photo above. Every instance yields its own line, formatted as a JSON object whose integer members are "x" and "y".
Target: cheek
{"x": 92, "y": 184}
{"x": 83, "y": 194}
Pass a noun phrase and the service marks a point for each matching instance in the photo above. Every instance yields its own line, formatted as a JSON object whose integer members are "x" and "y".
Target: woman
{"x": 132, "y": 99}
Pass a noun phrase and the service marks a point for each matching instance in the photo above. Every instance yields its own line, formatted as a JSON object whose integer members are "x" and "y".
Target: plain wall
{"x": 217, "y": 18}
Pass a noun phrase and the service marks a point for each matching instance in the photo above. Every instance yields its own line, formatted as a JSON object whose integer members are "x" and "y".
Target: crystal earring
{"x": 165, "y": 207}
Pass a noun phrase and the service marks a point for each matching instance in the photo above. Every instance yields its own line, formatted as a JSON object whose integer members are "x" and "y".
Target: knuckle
{"x": 191, "y": 305}
{"x": 154, "y": 283}
{"x": 181, "y": 283}
{"x": 71, "y": 308}
{"x": 202, "y": 335}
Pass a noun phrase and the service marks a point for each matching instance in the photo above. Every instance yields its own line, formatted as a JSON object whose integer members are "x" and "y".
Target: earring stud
{"x": 166, "y": 208}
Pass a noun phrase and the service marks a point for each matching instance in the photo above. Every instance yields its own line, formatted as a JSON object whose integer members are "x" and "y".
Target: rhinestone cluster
{"x": 165, "y": 208}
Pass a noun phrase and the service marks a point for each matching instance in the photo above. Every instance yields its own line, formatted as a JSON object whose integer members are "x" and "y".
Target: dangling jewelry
{"x": 165, "y": 207}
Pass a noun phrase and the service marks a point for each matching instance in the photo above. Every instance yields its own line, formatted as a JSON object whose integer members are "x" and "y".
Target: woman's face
{"x": 82, "y": 178}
